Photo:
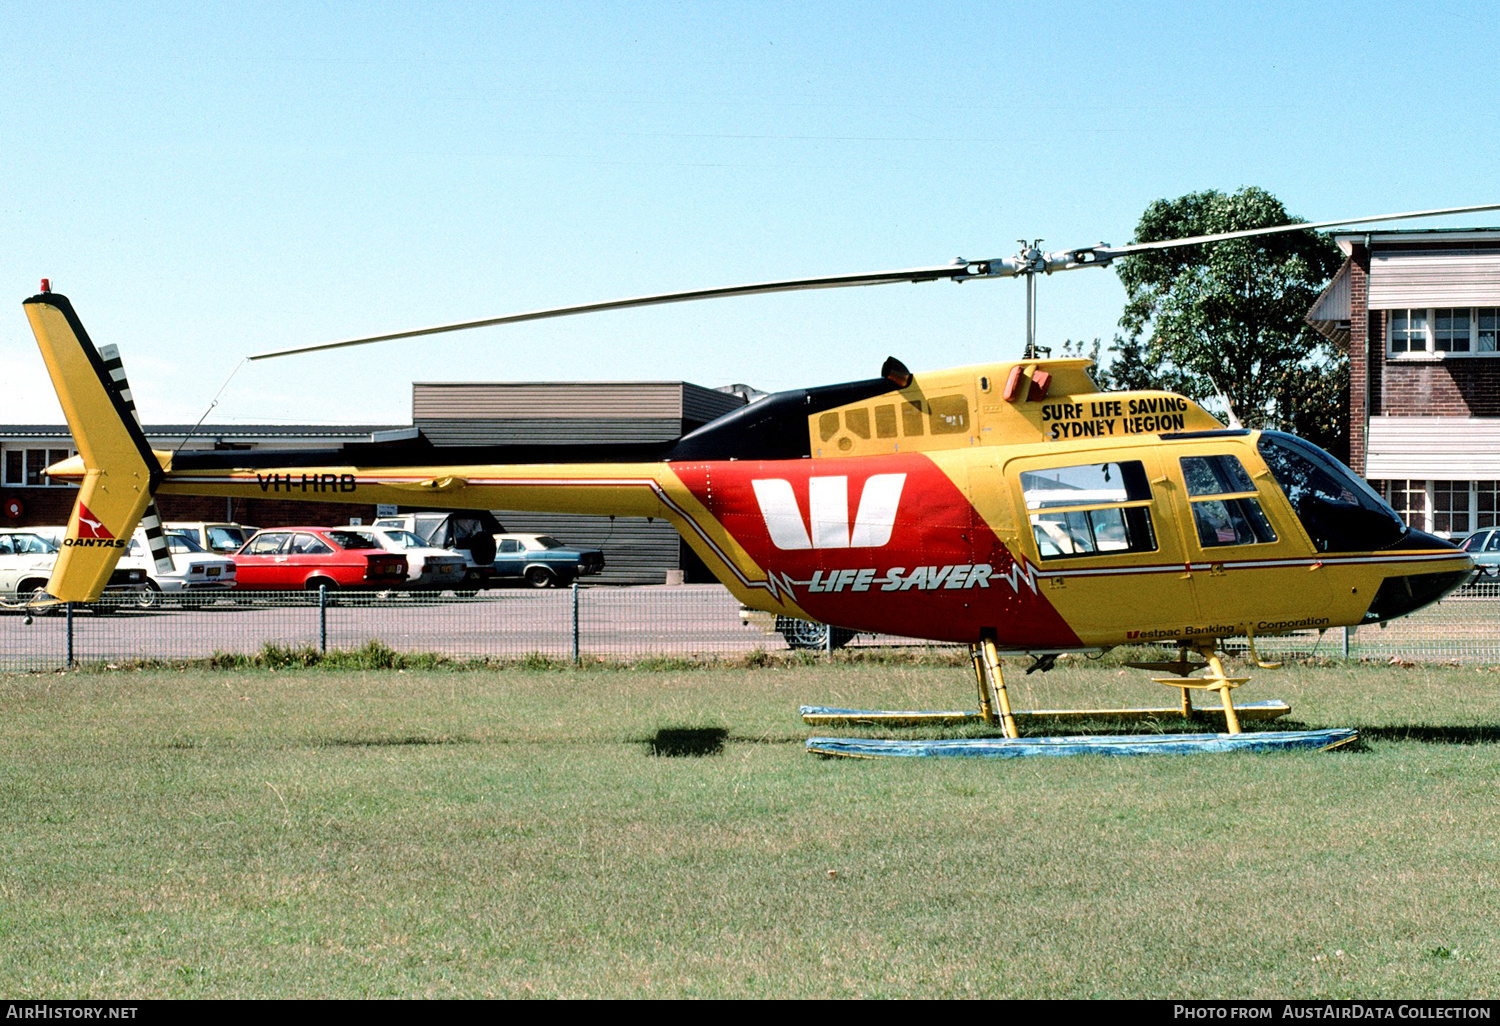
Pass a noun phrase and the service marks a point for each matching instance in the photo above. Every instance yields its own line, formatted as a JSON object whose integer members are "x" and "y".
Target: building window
{"x": 1461, "y": 331}
{"x": 1486, "y": 504}
{"x": 1409, "y": 499}
{"x": 1451, "y": 509}
{"x": 23, "y": 467}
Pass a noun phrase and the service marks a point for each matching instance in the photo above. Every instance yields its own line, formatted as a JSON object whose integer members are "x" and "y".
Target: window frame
{"x": 1427, "y": 333}
{"x": 1121, "y": 508}
{"x": 48, "y": 456}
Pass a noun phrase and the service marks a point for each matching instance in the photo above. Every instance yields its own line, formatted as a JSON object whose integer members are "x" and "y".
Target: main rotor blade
{"x": 957, "y": 269}
{"x": 1139, "y": 247}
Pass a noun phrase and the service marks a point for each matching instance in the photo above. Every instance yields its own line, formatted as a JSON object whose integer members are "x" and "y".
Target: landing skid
{"x": 1087, "y": 744}
{"x": 822, "y": 716}
{"x": 995, "y": 710}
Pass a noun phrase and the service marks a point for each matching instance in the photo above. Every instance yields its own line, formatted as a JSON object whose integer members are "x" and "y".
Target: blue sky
{"x": 206, "y": 181}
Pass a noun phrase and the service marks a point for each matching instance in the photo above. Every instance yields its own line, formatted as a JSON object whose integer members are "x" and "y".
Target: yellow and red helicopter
{"x": 1009, "y": 506}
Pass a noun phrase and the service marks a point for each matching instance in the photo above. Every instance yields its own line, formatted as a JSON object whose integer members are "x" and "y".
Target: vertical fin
{"x": 156, "y": 539}
{"x": 120, "y": 470}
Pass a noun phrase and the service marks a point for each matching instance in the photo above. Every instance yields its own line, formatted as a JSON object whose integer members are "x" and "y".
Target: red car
{"x": 313, "y": 557}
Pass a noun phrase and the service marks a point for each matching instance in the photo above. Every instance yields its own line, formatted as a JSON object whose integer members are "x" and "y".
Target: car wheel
{"x": 804, "y": 634}
{"x": 331, "y": 587}
{"x": 540, "y": 577}
{"x": 149, "y": 597}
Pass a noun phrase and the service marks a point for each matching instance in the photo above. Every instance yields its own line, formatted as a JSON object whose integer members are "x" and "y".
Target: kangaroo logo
{"x": 89, "y": 526}
{"x": 828, "y": 512}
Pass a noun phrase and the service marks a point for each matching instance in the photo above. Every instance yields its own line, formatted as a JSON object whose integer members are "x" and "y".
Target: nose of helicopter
{"x": 1406, "y": 593}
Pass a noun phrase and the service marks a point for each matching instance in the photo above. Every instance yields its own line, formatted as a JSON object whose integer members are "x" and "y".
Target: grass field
{"x": 308, "y": 832}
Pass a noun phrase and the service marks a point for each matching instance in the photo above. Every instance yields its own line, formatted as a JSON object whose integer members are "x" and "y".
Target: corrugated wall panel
{"x": 701, "y": 405}
{"x": 1434, "y": 278}
{"x": 1333, "y": 303}
{"x": 532, "y": 400}
{"x": 547, "y": 431}
{"x": 1434, "y": 449}
{"x": 636, "y": 551}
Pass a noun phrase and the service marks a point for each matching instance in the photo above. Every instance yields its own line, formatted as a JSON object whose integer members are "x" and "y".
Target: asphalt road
{"x": 666, "y": 620}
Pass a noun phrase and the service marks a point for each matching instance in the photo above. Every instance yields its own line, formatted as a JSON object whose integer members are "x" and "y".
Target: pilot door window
{"x": 1093, "y": 509}
{"x": 1225, "y": 509}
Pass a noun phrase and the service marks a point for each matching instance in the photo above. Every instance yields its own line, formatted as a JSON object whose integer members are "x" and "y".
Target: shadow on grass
{"x": 1434, "y": 735}
{"x": 695, "y": 741}
{"x": 387, "y": 742}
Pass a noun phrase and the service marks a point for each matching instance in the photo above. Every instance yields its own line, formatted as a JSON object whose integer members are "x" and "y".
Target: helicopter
{"x": 1011, "y": 506}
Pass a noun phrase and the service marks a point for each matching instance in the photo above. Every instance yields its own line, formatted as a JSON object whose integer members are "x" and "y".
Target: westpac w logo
{"x": 828, "y": 509}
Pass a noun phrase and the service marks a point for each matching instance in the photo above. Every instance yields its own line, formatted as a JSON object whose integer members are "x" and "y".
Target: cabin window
{"x": 885, "y": 422}
{"x": 828, "y": 426}
{"x": 1339, "y": 511}
{"x": 1222, "y": 512}
{"x": 858, "y": 422}
{"x": 950, "y": 415}
{"x": 913, "y": 419}
{"x": 1094, "y": 509}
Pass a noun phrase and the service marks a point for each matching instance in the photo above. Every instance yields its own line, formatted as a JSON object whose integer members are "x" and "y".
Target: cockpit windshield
{"x": 1340, "y": 512}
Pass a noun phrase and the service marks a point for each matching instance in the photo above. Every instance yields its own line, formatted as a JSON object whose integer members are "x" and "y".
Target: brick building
{"x": 1419, "y": 312}
{"x": 28, "y": 498}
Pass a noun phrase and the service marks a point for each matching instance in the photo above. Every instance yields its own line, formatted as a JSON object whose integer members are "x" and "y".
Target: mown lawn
{"x": 248, "y": 833}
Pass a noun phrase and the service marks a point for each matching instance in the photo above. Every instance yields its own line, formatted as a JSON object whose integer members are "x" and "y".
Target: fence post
{"x": 577, "y": 655}
{"x": 1344, "y": 645}
{"x": 68, "y": 615}
{"x": 828, "y": 640}
{"x": 322, "y": 618}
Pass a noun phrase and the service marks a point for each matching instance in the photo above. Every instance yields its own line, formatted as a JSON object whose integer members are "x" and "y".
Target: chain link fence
{"x": 691, "y": 621}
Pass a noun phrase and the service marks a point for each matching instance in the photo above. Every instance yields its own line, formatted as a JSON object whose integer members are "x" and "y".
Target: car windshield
{"x": 352, "y": 539}
{"x": 404, "y": 539}
{"x": 27, "y": 545}
{"x": 183, "y": 543}
{"x": 225, "y": 539}
{"x": 547, "y": 542}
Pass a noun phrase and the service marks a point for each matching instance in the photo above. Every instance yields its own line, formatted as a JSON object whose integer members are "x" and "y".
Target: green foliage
{"x": 1228, "y": 316}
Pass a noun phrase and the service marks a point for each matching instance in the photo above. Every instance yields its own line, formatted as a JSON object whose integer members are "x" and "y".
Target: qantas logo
{"x": 92, "y": 533}
{"x": 89, "y": 526}
{"x": 827, "y": 524}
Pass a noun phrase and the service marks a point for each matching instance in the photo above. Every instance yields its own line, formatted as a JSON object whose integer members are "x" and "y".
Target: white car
{"x": 427, "y": 568}
{"x": 223, "y": 538}
{"x": 194, "y": 571}
{"x": 27, "y": 558}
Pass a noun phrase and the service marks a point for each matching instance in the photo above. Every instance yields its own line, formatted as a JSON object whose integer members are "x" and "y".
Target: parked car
{"x": 310, "y": 558}
{"x": 799, "y": 634}
{"x": 196, "y": 574}
{"x": 1484, "y": 548}
{"x": 542, "y": 561}
{"x": 428, "y": 568}
{"x": 213, "y": 537}
{"x": 468, "y": 531}
{"x": 27, "y": 558}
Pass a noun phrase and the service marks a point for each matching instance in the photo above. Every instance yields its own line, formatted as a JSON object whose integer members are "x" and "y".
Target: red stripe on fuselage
{"x": 911, "y": 558}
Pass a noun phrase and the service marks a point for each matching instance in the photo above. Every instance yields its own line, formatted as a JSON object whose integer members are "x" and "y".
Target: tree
{"x": 1228, "y": 316}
